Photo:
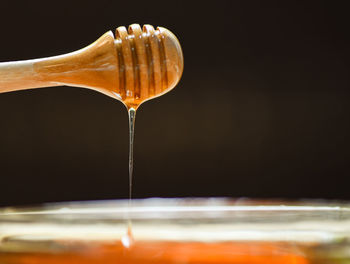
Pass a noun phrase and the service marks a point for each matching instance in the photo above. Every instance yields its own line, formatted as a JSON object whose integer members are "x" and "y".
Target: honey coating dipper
{"x": 134, "y": 66}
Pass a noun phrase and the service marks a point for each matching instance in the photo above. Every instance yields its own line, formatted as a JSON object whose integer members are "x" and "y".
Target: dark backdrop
{"x": 261, "y": 110}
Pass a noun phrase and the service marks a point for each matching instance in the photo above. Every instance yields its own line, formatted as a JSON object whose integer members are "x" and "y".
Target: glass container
{"x": 181, "y": 231}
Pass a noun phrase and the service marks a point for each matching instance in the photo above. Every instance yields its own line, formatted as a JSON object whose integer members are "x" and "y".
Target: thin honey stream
{"x": 127, "y": 239}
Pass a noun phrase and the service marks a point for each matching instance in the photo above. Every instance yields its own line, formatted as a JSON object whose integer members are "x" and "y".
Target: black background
{"x": 262, "y": 109}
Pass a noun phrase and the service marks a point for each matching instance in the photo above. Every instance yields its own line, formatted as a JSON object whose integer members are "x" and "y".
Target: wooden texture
{"x": 135, "y": 66}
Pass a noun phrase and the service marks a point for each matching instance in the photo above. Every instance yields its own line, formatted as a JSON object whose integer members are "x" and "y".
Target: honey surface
{"x": 165, "y": 253}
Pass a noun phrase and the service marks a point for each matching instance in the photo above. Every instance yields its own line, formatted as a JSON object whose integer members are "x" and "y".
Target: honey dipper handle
{"x": 20, "y": 75}
{"x": 94, "y": 67}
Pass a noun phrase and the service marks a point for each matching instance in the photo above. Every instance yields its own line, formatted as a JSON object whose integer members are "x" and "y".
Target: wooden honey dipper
{"x": 135, "y": 66}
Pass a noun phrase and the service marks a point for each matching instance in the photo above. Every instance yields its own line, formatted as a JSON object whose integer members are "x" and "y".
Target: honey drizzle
{"x": 132, "y": 116}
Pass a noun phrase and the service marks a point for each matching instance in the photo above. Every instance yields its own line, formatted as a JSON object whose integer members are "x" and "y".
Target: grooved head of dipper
{"x": 150, "y": 63}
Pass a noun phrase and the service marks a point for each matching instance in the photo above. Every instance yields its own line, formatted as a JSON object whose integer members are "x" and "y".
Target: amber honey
{"x": 166, "y": 253}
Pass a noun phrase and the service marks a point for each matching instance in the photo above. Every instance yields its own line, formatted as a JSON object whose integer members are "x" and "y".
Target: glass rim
{"x": 184, "y": 219}
{"x": 172, "y": 206}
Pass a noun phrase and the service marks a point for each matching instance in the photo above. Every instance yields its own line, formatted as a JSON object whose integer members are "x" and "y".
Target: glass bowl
{"x": 208, "y": 230}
